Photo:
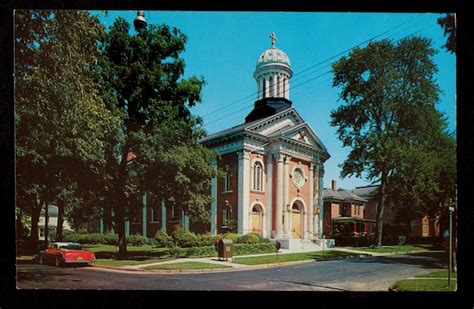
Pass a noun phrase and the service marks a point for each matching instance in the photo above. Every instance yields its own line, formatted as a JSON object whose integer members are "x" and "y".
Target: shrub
{"x": 207, "y": 251}
{"x": 244, "y": 249}
{"x": 184, "y": 238}
{"x": 163, "y": 239}
{"x": 206, "y": 239}
{"x": 137, "y": 240}
{"x": 250, "y": 238}
{"x": 231, "y": 236}
{"x": 111, "y": 239}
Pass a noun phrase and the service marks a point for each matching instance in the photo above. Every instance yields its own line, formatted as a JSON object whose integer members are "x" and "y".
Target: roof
{"x": 330, "y": 194}
{"x": 273, "y": 55}
{"x": 237, "y": 129}
{"x": 349, "y": 196}
{"x": 351, "y": 219}
{"x": 341, "y": 195}
{"x": 366, "y": 191}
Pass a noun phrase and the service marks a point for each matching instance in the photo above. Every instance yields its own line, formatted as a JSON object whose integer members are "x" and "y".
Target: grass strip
{"x": 425, "y": 285}
{"x": 391, "y": 249}
{"x": 185, "y": 266}
{"x": 290, "y": 257}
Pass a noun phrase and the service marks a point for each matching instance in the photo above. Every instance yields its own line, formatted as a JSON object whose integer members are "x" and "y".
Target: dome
{"x": 273, "y": 55}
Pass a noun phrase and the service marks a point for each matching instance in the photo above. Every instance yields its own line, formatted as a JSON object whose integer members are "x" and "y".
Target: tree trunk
{"x": 121, "y": 203}
{"x": 380, "y": 208}
{"x": 59, "y": 227}
{"x": 34, "y": 236}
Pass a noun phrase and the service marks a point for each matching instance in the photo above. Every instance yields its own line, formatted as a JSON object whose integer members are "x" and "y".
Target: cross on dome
{"x": 274, "y": 38}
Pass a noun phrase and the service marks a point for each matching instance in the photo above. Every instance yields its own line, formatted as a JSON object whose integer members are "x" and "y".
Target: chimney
{"x": 333, "y": 185}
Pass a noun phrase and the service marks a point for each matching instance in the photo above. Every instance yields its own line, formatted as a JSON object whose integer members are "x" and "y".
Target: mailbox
{"x": 224, "y": 249}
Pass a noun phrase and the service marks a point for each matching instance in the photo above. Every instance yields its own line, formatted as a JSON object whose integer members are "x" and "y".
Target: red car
{"x": 61, "y": 253}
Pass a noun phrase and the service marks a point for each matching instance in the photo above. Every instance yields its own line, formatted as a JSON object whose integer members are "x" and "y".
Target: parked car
{"x": 61, "y": 253}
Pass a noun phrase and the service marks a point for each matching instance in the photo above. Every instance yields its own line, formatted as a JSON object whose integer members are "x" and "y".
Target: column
{"x": 214, "y": 200}
{"x": 144, "y": 221}
{"x": 282, "y": 79}
{"x": 127, "y": 227}
{"x": 320, "y": 200}
{"x": 279, "y": 201}
{"x": 163, "y": 216}
{"x": 185, "y": 220}
{"x": 311, "y": 202}
{"x": 269, "y": 193}
{"x": 266, "y": 87}
{"x": 286, "y": 201}
{"x": 101, "y": 225}
{"x": 243, "y": 192}
{"x": 287, "y": 88}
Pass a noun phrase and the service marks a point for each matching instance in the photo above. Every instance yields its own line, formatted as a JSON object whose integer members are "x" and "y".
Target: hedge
{"x": 105, "y": 239}
{"x": 237, "y": 249}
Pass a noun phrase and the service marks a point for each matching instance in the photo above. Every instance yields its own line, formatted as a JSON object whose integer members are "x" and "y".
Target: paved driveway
{"x": 356, "y": 274}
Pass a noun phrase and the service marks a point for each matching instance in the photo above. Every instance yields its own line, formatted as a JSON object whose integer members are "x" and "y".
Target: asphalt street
{"x": 354, "y": 274}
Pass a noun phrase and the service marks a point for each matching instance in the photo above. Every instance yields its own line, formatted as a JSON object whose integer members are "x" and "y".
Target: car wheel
{"x": 58, "y": 262}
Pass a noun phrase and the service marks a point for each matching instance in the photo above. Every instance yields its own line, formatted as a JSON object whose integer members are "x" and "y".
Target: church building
{"x": 274, "y": 164}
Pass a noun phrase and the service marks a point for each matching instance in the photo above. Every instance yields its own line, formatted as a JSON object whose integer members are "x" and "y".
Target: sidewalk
{"x": 215, "y": 260}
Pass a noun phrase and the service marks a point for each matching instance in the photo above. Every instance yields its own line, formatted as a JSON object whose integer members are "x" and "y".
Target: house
{"x": 421, "y": 226}
{"x": 52, "y": 222}
{"x": 345, "y": 213}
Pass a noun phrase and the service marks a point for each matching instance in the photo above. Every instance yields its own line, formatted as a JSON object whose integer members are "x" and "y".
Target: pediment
{"x": 277, "y": 123}
{"x": 304, "y": 134}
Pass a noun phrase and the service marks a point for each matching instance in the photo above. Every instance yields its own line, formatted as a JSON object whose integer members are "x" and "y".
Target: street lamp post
{"x": 451, "y": 209}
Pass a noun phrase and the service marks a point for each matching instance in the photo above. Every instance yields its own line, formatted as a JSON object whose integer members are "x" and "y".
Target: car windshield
{"x": 71, "y": 247}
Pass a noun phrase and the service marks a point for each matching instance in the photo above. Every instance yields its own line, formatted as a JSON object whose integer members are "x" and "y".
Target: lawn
{"x": 392, "y": 249}
{"x": 109, "y": 251}
{"x": 432, "y": 282}
{"x": 185, "y": 266}
{"x": 290, "y": 257}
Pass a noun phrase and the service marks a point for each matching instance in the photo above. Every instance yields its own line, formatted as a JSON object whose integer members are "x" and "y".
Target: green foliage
{"x": 231, "y": 236}
{"x": 448, "y": 23}
{"x": 137, "y": 240}
{"x": 250, "y": 238}
{"x": 244, "y": 249}
{"x": 207, "y": 251}
{"x": 184, "y": 238}
{"x": 163, "y": 239}
{"x": 390, "y": 123}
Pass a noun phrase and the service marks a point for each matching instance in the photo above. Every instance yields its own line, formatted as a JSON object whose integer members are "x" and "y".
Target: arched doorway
{"x": 256, "y": 223}
{"x": 297, "y": 220}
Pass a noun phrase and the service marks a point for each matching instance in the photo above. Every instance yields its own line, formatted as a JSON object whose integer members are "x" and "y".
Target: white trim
{"x": 243, "y": 191}
{"x": 252, "y": 178}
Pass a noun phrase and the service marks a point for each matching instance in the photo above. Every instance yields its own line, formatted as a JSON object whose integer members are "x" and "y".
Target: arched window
{"x": 257, "y": 176}
{"x": 263, "y": 88}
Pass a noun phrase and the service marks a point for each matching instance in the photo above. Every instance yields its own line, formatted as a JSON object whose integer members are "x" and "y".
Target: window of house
{"x": 227, "y": 179}
{"x": 257, "y": 176}
{"x": 154, "y": 215}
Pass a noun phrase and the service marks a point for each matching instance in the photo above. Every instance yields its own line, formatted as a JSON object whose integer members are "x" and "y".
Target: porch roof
{"x": 351, "y": 219}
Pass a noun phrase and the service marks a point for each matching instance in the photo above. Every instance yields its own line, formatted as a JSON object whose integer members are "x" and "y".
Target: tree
{"x": 448, "y": 23}
{"x": 141, "y": 78}
{"x": 60, "y": 118}
{"x": 389, "y": 89}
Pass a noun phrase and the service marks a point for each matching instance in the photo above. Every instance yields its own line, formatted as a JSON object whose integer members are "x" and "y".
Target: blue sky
{"x": 224, "y": 47}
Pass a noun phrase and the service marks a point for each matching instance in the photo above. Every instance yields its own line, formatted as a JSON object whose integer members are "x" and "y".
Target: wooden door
{"x": 255, "y": 223}
{"x": 296, "y": 224}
